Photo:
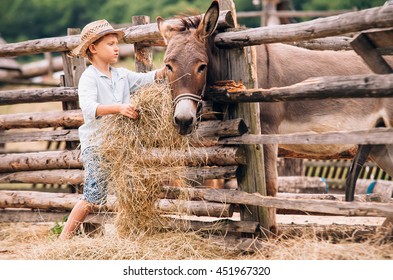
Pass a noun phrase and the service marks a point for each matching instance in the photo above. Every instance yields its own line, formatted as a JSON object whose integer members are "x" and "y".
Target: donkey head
{"x": 186, "y": 61}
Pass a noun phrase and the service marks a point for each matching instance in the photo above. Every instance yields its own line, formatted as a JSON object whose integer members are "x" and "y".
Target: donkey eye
{"x": 168, "y": 67}
{"x": 201, "y": 68}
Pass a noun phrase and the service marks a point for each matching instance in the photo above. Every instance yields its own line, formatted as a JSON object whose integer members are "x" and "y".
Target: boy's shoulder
{"x": 89, "y": 72}
{"x": 122, "y": 71}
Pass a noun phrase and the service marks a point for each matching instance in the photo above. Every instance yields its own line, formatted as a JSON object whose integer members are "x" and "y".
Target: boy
{"x": 102, "y": 90}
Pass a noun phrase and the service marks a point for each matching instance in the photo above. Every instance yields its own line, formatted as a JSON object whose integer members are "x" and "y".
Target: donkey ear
{"x": 164, "y": 28}
{"x": 210, "y": 20}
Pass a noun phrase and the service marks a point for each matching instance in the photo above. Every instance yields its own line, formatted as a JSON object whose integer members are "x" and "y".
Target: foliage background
{"x": 31, "y": 19}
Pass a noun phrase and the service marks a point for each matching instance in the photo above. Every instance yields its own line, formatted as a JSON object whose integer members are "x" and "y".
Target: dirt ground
{"x": 301, "y": 238}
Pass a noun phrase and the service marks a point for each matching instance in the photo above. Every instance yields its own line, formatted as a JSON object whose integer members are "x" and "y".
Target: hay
{"x": 34, "y": 242}
{"x": 331, "y": 243}
{"x": 160, "y": 246}
{"x": 133, "y": 176}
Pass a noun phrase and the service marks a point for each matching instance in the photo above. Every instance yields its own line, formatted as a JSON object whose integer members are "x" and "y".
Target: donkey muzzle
{"x": 185, "y": 112}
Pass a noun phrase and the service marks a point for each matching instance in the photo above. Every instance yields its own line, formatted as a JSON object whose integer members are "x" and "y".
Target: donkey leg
{"x": 357, "y": 164}
{"x": 382, "y": 155}
{"x": 271, "y": 177}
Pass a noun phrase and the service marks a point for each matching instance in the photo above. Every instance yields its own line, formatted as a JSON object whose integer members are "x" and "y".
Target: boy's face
{"x": 106, "y": 50}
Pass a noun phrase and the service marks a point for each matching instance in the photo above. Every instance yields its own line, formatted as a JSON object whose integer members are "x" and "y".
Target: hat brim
{"x": 80, "y": 50}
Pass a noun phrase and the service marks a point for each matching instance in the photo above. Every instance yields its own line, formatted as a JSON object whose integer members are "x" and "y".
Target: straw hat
{"x": 92, "y": 32}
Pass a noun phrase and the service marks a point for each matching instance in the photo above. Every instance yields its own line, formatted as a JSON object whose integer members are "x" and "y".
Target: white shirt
{"x": 96, "y": 88}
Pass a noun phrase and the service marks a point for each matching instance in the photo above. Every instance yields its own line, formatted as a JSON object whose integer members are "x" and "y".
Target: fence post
{"x": 143, "y": 54}
{"x": 73, "y": 69}
{"x": 239, "y": 64}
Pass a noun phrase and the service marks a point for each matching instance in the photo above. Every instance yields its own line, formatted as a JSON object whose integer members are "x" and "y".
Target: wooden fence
{"x": 234, "y": 145}
{"x": 281, "y": 12}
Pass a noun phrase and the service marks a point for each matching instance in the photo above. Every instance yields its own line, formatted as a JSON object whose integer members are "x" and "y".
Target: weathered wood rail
{"x": 356, "y": 86}
{"x": 208, "y": 129}
{"x": 9, "y": 97}
{"x": 379, "y": 17}
{"x": 47, "y": 66}
{"x": 216, "y": 155}
{"x": 371, "y": 136}
{"x": 214, "y": 200}
{"x": 147, "y": 34}
{"x": 289, "y": 13}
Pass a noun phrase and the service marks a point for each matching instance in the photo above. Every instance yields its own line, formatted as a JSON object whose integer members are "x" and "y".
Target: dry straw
{"x": 135, "y": 175}
{"x": 30, "y": 241}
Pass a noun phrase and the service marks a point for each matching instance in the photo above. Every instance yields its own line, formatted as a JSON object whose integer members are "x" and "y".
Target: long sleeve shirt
{"x": 96, "y": 88}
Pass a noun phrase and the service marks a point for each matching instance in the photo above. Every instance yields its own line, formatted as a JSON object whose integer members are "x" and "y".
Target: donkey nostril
{"x": 183, "y": 122}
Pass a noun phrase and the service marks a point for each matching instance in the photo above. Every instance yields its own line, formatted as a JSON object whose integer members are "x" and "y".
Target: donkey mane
{"x": 187, "y": 23}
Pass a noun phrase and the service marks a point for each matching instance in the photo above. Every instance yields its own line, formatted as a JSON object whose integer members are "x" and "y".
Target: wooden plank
{"x": 205, "y": 131}
{"x": 229, "y": 5}
{"x": 205, "y": 193}
{"x": 336, "y": 43}
{"x": 373, "y": 136}
{"x": 221, "y": 128}
{"x": 197, "y": 208}
{"x": 40, "y": 200}
{"x": 324, "y": 27}
{"x": 41, "y": 67}
{"x": 355, "y": 86}
{"x": 48, "y": 201}
{"x": 8, "y": 97}
{"x": 293, "y": 13}
{"x": 73, "y": 69}
{"x": 307, "y": 205}
{"x": 29, "y": 216}
{"x": 343, "y": 155}
{"x": 240, "y": 64}
{"x": 211, "y": 172}
{"x": 76, "y": 176}
{"x": 9, "y": 64}
{"x": 337, "y": 197}
{"x": 381, "y": 38}
{"x": 295, "y": 184}
{"x": 40, "y": 161}
{"x": 211, "y": 126}
{"x": 148, "y": 33}
{"x": 143, "y": 54}
{"x": 70, "y": 118}
{"x": 301, "y": 184}
{"x": 222, "y": 226}
{"x": 78, "y": 65}
{"x": 366, "y": 48}
{"x": 217, "y": 155}
{"x": 56, "y": 176}
{"x": 56, "y": 136}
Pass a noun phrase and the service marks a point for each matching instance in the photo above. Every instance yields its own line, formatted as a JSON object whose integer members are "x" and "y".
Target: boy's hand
{"x": 129, "y": 110}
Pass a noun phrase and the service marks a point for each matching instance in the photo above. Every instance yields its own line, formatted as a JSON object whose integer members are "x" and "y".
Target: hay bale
{"x": 135, "y": 180}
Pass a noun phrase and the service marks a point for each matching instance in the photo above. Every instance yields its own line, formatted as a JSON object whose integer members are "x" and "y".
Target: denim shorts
{"x": 95, "y": 189}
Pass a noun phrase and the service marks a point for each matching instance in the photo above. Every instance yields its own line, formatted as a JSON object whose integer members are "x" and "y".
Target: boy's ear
{"x": 92, "y": 48}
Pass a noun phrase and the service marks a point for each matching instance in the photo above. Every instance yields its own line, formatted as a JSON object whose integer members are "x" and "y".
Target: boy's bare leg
{"x": 76, "y": 217}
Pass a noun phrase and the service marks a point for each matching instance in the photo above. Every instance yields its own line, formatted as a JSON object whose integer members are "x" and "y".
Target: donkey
{"x": 192, "y": 63}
